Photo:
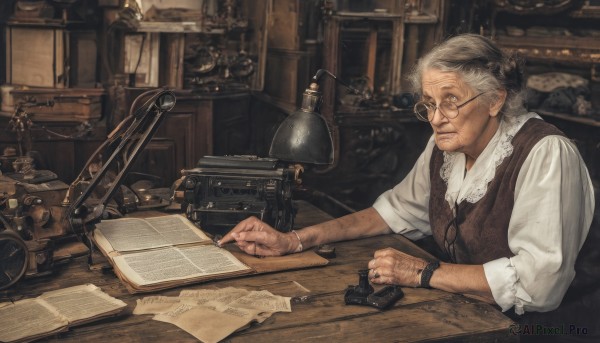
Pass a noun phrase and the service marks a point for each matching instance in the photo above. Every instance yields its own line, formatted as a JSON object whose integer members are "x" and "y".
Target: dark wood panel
{"x": 179, "y": 129}
{"x": 231, "y": 126}
{"x": 200, "y": 125}
{"x": 202, "y": 140}
{"x": 159, "y": 158}
{"x": 61, "y": 147}
{"x": 377, "y": 149}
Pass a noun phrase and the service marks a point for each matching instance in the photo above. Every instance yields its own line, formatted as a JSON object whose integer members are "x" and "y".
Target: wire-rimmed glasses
{"x": 425, "y": 110}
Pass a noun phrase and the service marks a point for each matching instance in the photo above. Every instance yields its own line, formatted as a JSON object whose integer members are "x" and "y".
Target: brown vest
{"x": 482, "y": 234}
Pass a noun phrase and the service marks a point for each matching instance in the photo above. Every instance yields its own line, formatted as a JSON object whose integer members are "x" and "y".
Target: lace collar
{"x": 473, "y": 186}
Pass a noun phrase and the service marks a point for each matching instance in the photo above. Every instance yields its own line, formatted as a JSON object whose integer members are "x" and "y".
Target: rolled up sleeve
{"x": 551, "y": 217}
{"x": 504, "y": 282}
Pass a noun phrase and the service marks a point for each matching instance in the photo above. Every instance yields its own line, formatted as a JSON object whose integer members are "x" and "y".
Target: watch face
{"x": 13, "y": 258}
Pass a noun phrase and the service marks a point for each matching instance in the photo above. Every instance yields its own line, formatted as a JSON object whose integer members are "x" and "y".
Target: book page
{"x": 221, "y": 295}
{"x": 155, "y": 304}
{"x": 263, "y": 301}
{"x": 29, "y": 318}
{"x": 82, "y": 303}
{"x": 212, "y": 260}
{"x": 176, "y": 229}
{"x": 170, "y": 264}
{"x": 213, "y": 314}
{"x": 209, "y": 325}
{"x": 131, "y": 234}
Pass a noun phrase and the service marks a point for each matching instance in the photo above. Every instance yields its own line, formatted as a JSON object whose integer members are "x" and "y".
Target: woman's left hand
{"x": 390, "y": 266}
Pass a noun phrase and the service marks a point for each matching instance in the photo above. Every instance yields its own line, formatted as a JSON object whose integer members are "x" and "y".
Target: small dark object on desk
{"x": 304, "y": 299}
{"x": 363, "y": 294}
{"x": 326, "y": 251}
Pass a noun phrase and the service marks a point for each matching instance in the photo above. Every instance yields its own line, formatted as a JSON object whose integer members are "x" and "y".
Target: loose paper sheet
{"x": 263, "y": 301}
{"x": 223, "y": 295}
{"x": 213, "y": 314}
{"x": 207, "y": 324}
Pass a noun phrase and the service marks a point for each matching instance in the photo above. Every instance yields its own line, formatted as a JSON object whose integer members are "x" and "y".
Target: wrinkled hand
{"x": 255, "y": 237}
{"x": 390, "y": 266}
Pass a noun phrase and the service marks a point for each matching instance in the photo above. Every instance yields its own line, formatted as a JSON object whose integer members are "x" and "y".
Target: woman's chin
{"x": 446, "y": 144}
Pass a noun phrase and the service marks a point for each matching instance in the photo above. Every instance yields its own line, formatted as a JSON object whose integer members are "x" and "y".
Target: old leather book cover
{"x": 270, "y": 264}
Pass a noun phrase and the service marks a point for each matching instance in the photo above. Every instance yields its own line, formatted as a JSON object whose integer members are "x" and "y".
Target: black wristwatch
{"x": 428, "y": 272}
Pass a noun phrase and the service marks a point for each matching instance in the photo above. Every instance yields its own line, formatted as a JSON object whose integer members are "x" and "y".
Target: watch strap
{"x": 428, "y": 272}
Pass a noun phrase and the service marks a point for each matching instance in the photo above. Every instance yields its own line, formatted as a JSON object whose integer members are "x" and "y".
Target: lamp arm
{"x": 322, "y": 72}
{"x": 142, "y": 124}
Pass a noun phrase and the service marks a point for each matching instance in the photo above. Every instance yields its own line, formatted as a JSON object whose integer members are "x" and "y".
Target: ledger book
{"x": 155, "y": 253}
{"x": 55, "y": 311}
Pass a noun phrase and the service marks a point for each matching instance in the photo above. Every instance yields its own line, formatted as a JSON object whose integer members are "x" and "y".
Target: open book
{"x": 55, "y": 311}
{"x": 150, "y": 254}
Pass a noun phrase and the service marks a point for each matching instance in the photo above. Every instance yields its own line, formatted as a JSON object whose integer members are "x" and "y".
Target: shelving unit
{"x": 65, "y": 57}
{"x": 371, "y": 45}
{"x": 559, "y": 37}
{"x": 571, "y": 34}
{"x": 570, "y": 118}
{"x": 219, "y": 50}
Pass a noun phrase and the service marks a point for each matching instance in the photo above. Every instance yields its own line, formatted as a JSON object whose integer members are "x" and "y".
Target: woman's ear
{"x": 496, "y": 105}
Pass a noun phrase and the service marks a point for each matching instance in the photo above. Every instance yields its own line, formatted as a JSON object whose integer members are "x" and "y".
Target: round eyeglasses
{"x": 425, "y": 110}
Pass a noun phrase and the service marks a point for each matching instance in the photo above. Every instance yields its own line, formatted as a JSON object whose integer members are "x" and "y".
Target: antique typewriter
{"x": 223, "y": 190}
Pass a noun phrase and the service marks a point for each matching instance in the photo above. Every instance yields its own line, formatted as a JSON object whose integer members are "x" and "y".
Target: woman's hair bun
{"x": 512, "y": 72}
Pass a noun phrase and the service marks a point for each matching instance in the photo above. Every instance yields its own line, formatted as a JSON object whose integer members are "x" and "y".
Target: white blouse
{"x": 553, "y": 209}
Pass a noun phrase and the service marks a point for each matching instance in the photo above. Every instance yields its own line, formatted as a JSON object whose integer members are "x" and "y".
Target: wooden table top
{"x": 318, "y": 309}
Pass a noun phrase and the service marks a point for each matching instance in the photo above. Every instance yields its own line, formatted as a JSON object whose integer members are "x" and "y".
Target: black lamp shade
{"x": 303, "y": 137}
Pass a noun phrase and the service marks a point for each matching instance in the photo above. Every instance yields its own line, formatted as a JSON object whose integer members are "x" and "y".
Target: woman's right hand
{"x": 256, "y": 237}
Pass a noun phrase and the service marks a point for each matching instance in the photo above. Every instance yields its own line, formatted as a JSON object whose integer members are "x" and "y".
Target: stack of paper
{"x": 213, "y": 314}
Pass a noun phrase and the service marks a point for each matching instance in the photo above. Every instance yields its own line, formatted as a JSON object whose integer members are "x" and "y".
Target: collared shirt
{"x": 542, "y": 268}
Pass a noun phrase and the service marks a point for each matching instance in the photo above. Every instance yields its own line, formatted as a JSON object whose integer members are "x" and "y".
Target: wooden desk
{"x": 318, "y": 309}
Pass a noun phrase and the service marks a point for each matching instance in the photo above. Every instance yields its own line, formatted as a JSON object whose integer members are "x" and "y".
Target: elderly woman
{"x": 504, "y": 194}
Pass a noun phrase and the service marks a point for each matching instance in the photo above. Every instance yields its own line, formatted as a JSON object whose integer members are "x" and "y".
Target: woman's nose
{"x": 437, "y": 116}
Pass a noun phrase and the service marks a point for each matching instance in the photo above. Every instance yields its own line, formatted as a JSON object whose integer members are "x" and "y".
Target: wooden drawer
{"x": 72, "y": 104}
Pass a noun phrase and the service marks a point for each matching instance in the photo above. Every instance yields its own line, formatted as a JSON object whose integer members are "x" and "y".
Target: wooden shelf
{"x": 376, "y": 117}
{"x": 370, "y": 15}
{"x": 563, "y": 42}
{"x": 421, "y": 19}
{"x": 587, "y": 12}
{"x": 176, "y": 27}
{"x": 571, "y": 118}
{"x": 568, "y": 49}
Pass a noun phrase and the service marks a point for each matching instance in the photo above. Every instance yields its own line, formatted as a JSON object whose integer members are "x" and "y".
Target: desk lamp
{"x": 304, "y": 136}
{"x": 32, "y": 225}
{"x": 125, "y": 142}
